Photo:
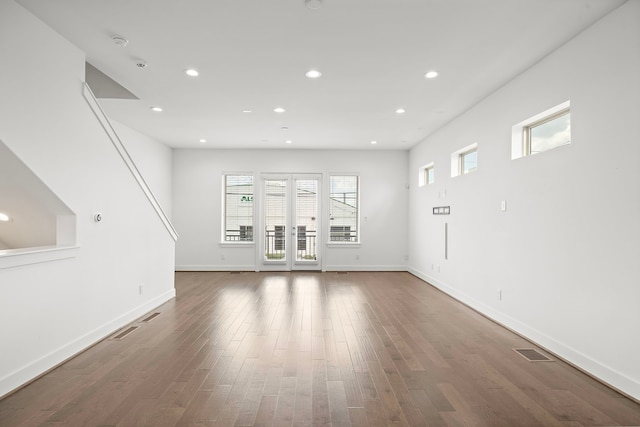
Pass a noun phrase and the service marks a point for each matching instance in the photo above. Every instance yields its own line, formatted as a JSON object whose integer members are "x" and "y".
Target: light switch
{"x": 503, "y": 205}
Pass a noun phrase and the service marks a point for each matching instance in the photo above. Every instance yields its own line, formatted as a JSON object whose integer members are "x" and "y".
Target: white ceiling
{"x": 253, "y": 54}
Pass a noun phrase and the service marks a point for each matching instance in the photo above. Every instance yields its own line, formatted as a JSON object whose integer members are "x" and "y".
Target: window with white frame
{"x": 543, "y": 132}
{"x": 344, "y": 199}
{"x": 426, "y": 175}
{"x": 468, "y": 161}
{"x": 465, "y": 160}
{"x": 238, "y": 208}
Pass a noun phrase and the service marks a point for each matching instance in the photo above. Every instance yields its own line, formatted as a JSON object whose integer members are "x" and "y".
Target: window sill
{"x": 236, "y": 244}
{"x": 26, "y": 256}
{"x": 343, "y": 245}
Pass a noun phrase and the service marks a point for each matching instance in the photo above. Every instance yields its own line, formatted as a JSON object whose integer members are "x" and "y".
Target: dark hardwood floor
{"x": 321, "y": 349}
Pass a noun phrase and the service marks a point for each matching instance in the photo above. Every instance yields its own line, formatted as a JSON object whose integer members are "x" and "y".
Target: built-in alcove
{"x": 32, "y": 217}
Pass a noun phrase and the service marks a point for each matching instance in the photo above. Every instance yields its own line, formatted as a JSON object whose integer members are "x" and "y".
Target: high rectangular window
{"x": 465, "y": 160}
{"x": 543, "y": 132}
{"x": 343, "y": 208}
{"x": 427, "y": 175}
{"x": 468, "y": 161}
{"x": 238, "y": 208}
{"x": 551, "y": 132}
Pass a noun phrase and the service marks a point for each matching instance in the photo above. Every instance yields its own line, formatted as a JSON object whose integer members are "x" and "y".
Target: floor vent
{"x": 124, "y": 333}
{"x": 150, "y": 317}
{"x": 532, "y": 355}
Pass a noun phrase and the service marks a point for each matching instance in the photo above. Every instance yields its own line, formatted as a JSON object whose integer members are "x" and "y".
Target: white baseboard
{"x": 365, "y": 268}
{"x": 326, "y": 268}
{"x": 210, "y": 267}
{"x": 49, "y": 361}
{"x": 580, "y": 360}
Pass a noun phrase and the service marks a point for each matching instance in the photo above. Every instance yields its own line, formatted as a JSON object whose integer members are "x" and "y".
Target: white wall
{"x": 60, "y": 304}
{"x": 154, "y": 161}
{"x": 565, "y": 253}
{"x": 197, "y": 195}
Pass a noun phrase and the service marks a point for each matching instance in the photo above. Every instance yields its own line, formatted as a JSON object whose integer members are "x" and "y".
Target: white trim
{"x": 213, "y": 267}
{"x": 365, "y": 268}
{"x": 343, "y": 244}
{"x": 231, "y": 244}
{"x": 45, "y": 363}
{"x": 604, "y": 373}
{"x": 27, "y": 256}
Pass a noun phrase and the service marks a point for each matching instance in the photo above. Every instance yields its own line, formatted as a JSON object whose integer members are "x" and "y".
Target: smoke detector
{"x": 313, "y": 4}
{"x": 119, "y": 41}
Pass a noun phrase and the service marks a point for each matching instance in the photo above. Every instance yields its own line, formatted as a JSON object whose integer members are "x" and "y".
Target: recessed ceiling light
{"x": 374, "y": 142}
{"x": 246, "y": 111}
{"x": 4, "y": 217}
{"x": 400, "y": 111}
{"x": 288, "y": 141}
{"x": 313, "y": 4}
{"x": 279, "y": 110}
{"x": 119, "y": 41}
{"x": 191, "y": 72}
{"x": 203, "y": 140}
{"x": 313, "y": 74}
{"x": 156, "y": 109}
{"x": 431, "y": 74}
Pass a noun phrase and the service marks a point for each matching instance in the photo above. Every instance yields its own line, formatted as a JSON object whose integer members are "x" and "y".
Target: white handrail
{"x": 117, "y": 143}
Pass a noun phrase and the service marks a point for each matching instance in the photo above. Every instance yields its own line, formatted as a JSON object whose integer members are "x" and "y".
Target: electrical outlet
{"x": 222, "y": 257}
{"x": 357, "y": 257}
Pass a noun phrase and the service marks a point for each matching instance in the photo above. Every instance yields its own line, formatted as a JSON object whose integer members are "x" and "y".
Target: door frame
{"x": 290, "y": 263}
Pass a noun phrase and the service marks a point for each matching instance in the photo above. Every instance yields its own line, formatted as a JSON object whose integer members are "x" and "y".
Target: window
{"x": 238, "y": 208}
{"x": 343, "y": 208}
{"x": 542, "y": 132}
{"x": 547, "y": 134}
{"x": 427, "y": 175}
{"x": 468, "y": 161}
{"x": 464, "y": 160}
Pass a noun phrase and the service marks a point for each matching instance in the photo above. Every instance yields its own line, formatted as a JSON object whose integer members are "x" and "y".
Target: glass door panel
{"x": 306, "y": 220}
{"x": 275, "y": 220}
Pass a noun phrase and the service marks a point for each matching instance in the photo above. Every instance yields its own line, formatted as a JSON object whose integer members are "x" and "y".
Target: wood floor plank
{"x": 286, "y": 401}
{"x": 321, "y": 415}
{"x": 266, "y": 411}
{"x": 338, "y": 407}
{"x": 321, "y": 349}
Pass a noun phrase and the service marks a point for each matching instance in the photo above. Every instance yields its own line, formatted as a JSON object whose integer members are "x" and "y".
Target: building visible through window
{"x": 238, "y": 208}
{"x": 343, "y": 208}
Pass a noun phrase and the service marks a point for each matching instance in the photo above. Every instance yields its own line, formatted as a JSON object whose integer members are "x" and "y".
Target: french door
{"x": 290, "y": 222}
